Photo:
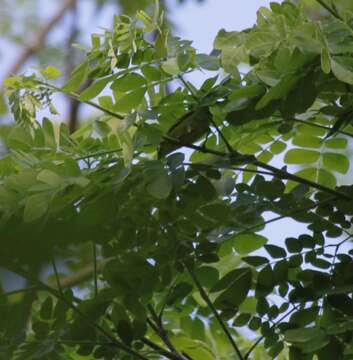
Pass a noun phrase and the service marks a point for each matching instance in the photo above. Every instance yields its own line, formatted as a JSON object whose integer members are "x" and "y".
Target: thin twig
{"x": 57, "y": 278}
{"x": 94, "y": 248}
{"x": 157, "y": 326}
{"x": 197, "y": 99}
{"x": 159, "y": 349}
{"x": 76, "y": 310}
{"x": 81, "y": 275}
{"x": 214, "y": 311}
{"x": 330, "y": 10}
{"x": 278, "y": 172}
{"x": 312, "y": 124}
{"x": 289, "y": 213}
{"x": 41, "y": 37}
{"x": 257, "y": 342}
{"x": 19, "y": 291}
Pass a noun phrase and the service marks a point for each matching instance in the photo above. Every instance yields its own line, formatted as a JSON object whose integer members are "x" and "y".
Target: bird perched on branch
{"x": 188, "y": 129}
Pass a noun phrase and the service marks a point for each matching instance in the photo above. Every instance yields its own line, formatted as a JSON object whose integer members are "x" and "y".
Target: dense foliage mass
{"x": 166, "y": 189}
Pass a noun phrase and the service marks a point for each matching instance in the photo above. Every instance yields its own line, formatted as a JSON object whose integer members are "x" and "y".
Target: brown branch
{"x": 81, "y": 275}
{"x": 41, "y": 37}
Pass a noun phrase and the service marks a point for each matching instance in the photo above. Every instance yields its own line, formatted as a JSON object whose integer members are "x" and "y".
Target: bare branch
{"x": 79, "y": 276}
{"x": 41, "y": 37}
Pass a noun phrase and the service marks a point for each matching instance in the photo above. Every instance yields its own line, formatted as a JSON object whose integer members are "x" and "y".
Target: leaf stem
{"x": 277, "y": 172}
{"x": 57, "y": 278}
{"x": 257, "y": 342}
{"x": 214, "y": 311}
{"x": 333, "y": 12}
{"x": 157, "y": 326}
{"x": 84, "y": 317}
{"x": 95, "y": 273}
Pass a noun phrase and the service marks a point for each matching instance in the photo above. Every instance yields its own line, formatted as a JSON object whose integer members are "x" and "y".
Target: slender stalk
{"x": 95, "y": 273}
{"x": 214, "y": 311}
{"x": 57, "y": 278}
{"x": 277, "y": 172}
{"x": 159, "y": 349}
{"x": 40, "y": 39}
{"x": 258, "y": 341}
{"x": 286, "y": 175}
{"x": 333, "y": 12}
{"x": 19, "y": 291}
{"x": 157, "y": 326}
{"x": 321, "y": 126}
{"x": 76, "y": 310}
{"x": 197, "y": 99}
{"x": 229, "y": 167}
{"x": 289, "y": 213}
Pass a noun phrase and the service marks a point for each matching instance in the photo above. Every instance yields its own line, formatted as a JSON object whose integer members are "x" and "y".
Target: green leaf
{"x": 341, "y": 71}
{"x": 46, "y": 310}
{"x": 179, "y": 292}
{"x": 94, "y": 89}
{"x": 255, "y": 260}
{"x": 248, "y": 242}
{"x": 49, "y": 177}
{"x": 249, "y": 305}
{"x": 196, "y": 349}
{"x": 336, "y": 162}
{"x": 275, "y": 251}
{"x": 303, "y": 335}
{"x": 325, "y": 60}
{"x": 129, "y": 101}
{"x": 129, "y": 82}
{"x": 78, "y": 76}
{"x": 305, "y": 316}
{"x": 336, "y": 143}
{"x": 207, "y": 62}
{"x": 171, "y": 66}
{"x": 279, "y": 91}
{"x": 160, "y": 186}
{"x": 294, "y": 245}
{"x": 265, "y": 282}
{"x": 278, "y": 147}
{"x": 241, "y": 98}
{"x": 207, "y": 275}
{"x": 36, "y": 206}
{"x": 239, "y": 284}
{"x": 301, "y": 156}
{"x": 307, "y": 141}
{"x": 51, "y": 72}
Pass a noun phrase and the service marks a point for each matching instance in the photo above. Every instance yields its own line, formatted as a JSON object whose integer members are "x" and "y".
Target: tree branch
{"x": 81, "y": 275}
{"x": 257, "y": 342}
{"x": 214, "y": 311}
{"x": 157, "y": 326}
{"x": 312, "y": 124}
{"x": 333, "y": 12}
{"x": 41, "y": 37}
{"x": 278, "y": 172}
{"x": 15, "y": 269}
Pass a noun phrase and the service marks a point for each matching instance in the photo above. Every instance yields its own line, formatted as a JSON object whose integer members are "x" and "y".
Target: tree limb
{"x": 41, "y": 37}
{"x": 81, "y": 275}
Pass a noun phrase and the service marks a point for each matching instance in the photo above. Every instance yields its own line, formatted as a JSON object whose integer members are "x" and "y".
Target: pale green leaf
{"x": 301, "y": 156}
{"x": 248, "y": 242}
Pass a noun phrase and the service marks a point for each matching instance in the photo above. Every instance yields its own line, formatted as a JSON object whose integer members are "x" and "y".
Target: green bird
{"x": 188, "y": 129}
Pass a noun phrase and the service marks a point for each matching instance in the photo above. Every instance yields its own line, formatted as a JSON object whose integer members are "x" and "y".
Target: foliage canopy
{"x": 170, "y": 189}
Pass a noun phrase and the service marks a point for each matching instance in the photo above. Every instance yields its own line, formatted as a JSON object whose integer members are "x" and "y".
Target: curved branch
{"x": 41, "y": 37}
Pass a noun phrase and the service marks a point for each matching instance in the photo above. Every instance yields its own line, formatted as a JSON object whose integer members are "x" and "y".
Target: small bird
{"x": 188, "y": 129}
